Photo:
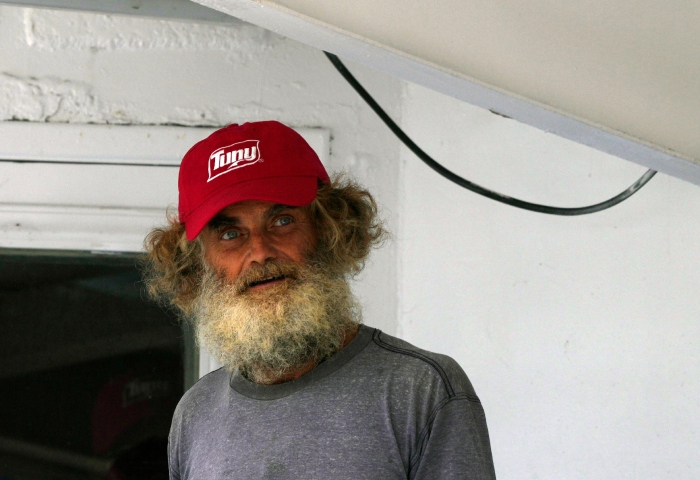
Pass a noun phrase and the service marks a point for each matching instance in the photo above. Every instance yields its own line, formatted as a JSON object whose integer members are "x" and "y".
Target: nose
{"x": 261, "y": 248}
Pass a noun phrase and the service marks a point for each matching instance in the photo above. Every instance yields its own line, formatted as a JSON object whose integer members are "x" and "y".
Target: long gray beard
{"x": 268, "y": 334}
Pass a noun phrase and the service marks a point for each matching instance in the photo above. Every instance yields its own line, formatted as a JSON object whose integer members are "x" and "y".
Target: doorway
{"x": 90, "y": 370}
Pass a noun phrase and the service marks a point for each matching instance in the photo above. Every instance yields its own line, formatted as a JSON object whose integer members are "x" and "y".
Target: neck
{"x": 307, "y": 367}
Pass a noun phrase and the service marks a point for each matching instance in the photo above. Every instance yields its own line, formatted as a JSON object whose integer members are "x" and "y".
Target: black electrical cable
{"x": 466, "y": 183}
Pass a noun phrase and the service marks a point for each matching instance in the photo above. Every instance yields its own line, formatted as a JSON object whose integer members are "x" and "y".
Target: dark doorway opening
{"x": 90, "y": 371}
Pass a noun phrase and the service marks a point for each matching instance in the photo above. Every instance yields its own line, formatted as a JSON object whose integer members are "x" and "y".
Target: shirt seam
{"x": 426, "y": 430}
{"x": 420, "y": 356}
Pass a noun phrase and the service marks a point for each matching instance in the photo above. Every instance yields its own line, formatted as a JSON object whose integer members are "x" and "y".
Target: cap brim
{"x": 293, "y": 191}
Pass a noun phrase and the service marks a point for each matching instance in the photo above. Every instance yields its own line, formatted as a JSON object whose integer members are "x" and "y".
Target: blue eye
{"x": 229, "y": 235}
{"x": 282, "y": 221}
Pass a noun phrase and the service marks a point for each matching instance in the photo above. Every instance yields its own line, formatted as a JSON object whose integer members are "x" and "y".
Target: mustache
{"x": 256, "y": 274}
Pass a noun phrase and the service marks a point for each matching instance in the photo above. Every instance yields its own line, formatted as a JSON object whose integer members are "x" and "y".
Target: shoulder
{"x": 417, "y": 363}
{"x": 203, "y": 397}
{"x": 194, "y": 416}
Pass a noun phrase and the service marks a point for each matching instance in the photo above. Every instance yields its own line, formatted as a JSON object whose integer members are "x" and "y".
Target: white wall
{"x": 580, "y": 334}
{"x": 58, "y": 66}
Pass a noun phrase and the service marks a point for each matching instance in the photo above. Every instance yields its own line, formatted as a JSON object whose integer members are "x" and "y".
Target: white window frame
{"x": 81, "y": 218}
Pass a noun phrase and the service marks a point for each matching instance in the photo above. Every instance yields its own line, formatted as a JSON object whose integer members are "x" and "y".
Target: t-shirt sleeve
{"x": 456, "y": 443}
{"x": 173, "y": 448}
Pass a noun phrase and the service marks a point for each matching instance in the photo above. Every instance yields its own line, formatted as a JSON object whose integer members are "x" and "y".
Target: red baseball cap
{"x": 265, "y": 161}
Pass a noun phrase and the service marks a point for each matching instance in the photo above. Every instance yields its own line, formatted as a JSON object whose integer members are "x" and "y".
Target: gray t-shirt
{"x": 379, "y": 409}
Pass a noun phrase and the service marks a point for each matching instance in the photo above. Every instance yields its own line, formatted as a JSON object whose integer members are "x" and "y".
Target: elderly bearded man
{"x": 258, "y": 260}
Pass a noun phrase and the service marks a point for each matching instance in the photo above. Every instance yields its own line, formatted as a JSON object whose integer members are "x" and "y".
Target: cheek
{"x": 297, "y": 248}
{"x": 223, "y": 265}
{"x": 226, "y": 271}
{"x": 213, "y": 259}
{"x": 308, "y": 243}
{"x": 209, "y": 259}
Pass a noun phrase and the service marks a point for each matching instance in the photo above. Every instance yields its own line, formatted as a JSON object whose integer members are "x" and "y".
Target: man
{"x": 258, "y": 259}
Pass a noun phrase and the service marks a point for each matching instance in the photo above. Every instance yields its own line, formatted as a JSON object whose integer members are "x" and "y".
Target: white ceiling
{"x": 621, "y": 76}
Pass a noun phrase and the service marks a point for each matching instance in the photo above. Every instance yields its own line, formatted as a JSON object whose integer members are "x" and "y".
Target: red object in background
{"x": 121, "y": 404}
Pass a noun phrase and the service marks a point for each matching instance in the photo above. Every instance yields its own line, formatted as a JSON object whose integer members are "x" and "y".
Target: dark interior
{"x": 90, "y": 371}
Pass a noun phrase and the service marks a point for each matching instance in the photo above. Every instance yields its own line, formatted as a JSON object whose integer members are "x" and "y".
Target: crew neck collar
{"x": 272, "y": 392}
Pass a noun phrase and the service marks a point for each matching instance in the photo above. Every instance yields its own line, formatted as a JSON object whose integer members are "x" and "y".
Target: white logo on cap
{"x": 232, "y": 157}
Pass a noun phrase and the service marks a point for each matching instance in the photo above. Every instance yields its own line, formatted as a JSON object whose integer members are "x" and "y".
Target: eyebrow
{"x": 223, "y": 221}
{"x": 277, "y": 209}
